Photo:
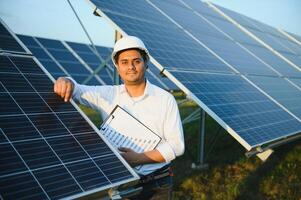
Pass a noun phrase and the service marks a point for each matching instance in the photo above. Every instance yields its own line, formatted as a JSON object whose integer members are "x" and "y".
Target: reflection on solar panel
{"x": 267, "y": 57}
{"x": 47, "y": 148}
{"x": 230, "y": 51}
{"x": 269, "y": 35}
{"x": 208, "y": 58}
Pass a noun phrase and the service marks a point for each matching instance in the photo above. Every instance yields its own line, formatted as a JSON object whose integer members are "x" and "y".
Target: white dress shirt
{"x": 156, "y": 108}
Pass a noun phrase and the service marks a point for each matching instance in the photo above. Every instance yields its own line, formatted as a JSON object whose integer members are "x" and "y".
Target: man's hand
{"x": 132, "y": 157}
{"x": 64, "y": 88}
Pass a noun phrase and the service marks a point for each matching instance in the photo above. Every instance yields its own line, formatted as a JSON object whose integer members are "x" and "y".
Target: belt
{"x": 158, "y": 174}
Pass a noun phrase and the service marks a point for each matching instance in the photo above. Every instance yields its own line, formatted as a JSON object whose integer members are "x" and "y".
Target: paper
{"x": 123, "y": 130}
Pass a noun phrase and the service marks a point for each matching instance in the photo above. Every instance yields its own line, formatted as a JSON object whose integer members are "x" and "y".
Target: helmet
{"x": 128, "y": 42}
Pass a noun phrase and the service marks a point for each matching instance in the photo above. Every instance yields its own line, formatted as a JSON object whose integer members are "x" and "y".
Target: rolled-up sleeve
{"x": 93, "y": 96}
{"x": 173, "y": 143}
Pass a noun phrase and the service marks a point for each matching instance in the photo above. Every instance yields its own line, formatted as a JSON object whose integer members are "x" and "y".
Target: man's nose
{"x": 132, "y": 65}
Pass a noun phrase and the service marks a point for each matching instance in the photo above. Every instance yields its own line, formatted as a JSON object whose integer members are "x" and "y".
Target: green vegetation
{"x": 231, "y": 175}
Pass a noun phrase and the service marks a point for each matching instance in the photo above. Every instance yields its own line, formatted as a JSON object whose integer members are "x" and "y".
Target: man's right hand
{"x": 64, "y": 88}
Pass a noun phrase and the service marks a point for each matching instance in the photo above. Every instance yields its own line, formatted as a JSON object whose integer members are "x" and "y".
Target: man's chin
{"x": 133, "y": 82}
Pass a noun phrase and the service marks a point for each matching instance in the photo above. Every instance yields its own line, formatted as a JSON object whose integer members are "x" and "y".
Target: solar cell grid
{"x": 66, "y": 60}
{"x": 241, "y": 106}
{"x": 43, "y": 57}
{"x": 266, "y": 33}
{"x": 43, "y": 140}
{"x": 196, "y": 5}
{"x": 8, "y": 42}
{"x": 98, "y": 65}
{"x": 274, "y": 61}
{"x": 282, "y": 91}
{"x": 230, "y": 51}
{"x": 297, "y": 81}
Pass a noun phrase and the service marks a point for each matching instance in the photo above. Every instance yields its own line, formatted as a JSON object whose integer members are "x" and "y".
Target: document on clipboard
{"x": 122, "y": 129}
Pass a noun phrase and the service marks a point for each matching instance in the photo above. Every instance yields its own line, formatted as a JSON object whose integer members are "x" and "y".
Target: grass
{"x": 231, "y": 175}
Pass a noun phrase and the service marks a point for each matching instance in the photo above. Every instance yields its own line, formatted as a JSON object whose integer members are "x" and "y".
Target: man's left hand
{"x": 132, "y": 157}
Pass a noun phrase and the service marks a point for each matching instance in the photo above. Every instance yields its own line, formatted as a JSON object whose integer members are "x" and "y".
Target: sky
{"x": 55, "y": 18}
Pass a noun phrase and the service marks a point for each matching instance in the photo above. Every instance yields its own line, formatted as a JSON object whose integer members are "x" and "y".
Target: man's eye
{"x": 123, "y": 62}
{"x": 137, "y": 62}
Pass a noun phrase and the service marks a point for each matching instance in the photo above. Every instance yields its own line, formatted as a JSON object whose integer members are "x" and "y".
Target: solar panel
{"x": 297, "y": 81}
{"x": 161, "y": 36}
{"x": 191, "y": 53}
{"x": 254, "y": 117}
{"x": 66, "y": 59}
{"x": 273, "y": 62}
{"x": 98, "y": 65}
{"x": 8, "y": 42}
{"x": 282, "y": 91}
{"x": 51, "y": 66}
{"x": 230, "y": 51}
{"x": 48, "y": 149}
{"x": 267, "y": 34}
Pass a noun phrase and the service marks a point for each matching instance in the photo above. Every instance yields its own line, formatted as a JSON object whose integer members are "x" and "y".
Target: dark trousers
{"x": 160, "y": 189}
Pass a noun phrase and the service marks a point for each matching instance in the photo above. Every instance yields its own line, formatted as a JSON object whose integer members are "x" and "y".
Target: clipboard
{"x": 122, "y": 129}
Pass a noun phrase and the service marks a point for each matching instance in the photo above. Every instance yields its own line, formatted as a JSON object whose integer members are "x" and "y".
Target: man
{"x": 152, "y": 105}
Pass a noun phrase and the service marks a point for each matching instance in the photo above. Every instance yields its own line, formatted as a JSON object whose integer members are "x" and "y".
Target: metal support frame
{"x": 116, "y": 78}
{"x": 268, "y": 149}
{"x": 200, "y": 164}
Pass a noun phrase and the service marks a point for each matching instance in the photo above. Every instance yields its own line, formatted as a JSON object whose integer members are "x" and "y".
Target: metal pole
{"x": 200, "y": 161}
{"x": 116, "y": 77}
{"x": 202, "y": 138}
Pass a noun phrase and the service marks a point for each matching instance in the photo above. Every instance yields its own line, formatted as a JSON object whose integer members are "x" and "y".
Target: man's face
{"x": 131, "y": 67}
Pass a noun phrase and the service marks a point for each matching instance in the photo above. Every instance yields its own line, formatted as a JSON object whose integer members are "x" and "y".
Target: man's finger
{"x": 124, "y": 149}
{"x": 55, "y": 87}
{"x": 68, "y": 92}
{"x": 63, "y": 89}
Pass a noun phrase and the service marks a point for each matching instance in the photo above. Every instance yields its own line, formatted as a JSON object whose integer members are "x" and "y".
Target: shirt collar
{"x": 147, "y": 91}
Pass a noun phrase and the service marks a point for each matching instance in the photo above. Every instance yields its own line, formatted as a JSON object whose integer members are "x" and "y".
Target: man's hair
{"x": 142, "y": 53}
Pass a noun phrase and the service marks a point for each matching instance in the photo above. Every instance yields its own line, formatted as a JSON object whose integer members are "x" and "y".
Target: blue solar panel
{"x": 267, "y": 34}
{"x": 230, "y": 51}
{"x": 97, "y": 64}
{"x": 161, "y": 36}
{"x": 47, "y": 149}
{"x": 254, "y": 117}
{"x": 297, "y": 81}
{"x": 42, "y": 56}
{"x": 295, "y": 36}
{"x": 256, "y": 48}
{"x": 274, "y": 61}
{"x": 8, "y": 42}
{"x": 282, "y": 91}
{"x": 66, "y": 59}
{"x": 242, "y": 109}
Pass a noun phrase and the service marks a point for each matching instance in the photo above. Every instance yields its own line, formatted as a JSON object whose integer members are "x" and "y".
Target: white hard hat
{"x": 128, "y": 42}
